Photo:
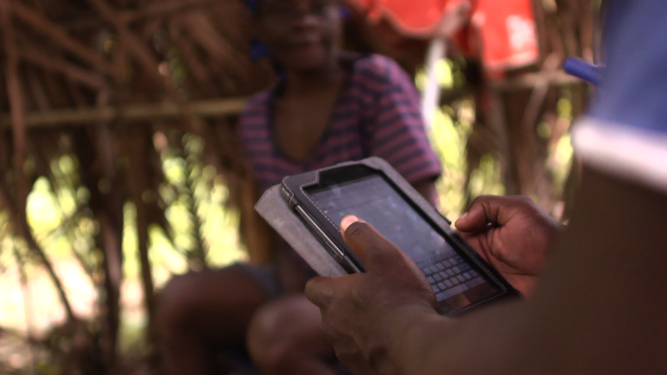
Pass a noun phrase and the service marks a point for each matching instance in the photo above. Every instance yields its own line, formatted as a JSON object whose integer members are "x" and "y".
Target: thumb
{"x": 473, "y": 220}
{"x": 369, "y": 245}
{"x": 487, "y": 209}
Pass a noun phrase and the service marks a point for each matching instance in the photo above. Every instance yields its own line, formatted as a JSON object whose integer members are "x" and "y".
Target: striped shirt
{"x": 376, "y": 114}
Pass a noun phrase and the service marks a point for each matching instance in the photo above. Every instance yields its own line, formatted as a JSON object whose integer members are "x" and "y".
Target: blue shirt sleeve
{"x": 633, "y": 92}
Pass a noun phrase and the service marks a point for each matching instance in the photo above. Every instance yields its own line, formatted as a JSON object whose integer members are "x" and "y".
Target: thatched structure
{"x": 98, "y": 79}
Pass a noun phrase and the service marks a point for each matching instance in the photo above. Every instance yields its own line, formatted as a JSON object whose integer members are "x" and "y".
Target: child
{"x": 328, "y": 107}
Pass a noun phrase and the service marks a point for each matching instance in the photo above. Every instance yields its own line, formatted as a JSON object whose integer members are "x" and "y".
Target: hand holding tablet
{"x": 372, "y": 190}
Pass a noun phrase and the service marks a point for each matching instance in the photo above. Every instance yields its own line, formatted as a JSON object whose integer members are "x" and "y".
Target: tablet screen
{"x": 456, "y": 281}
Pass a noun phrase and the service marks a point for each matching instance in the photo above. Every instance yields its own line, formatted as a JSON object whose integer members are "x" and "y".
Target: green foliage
{"x": 449, "y": 132}
{"x": 449, "y": 140}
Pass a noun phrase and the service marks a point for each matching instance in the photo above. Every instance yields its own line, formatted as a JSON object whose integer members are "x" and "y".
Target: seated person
{"x": 328, "y": 107}
{"x": 600, "y": 304}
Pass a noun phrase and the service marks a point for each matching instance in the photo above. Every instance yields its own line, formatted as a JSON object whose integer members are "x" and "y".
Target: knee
{"x": 175, "y": 305}
{"x": 281, "y": 331}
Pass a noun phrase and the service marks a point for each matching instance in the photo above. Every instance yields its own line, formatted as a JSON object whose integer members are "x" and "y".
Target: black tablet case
{"x": 274, "y": 209}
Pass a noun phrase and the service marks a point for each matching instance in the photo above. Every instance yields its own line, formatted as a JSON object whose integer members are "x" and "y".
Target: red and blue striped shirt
{"x": 377, "y": 114}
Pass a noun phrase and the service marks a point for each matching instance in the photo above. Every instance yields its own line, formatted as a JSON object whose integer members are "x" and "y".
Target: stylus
{"x": 338, "y": 253}
{"x": 584, "y": 70}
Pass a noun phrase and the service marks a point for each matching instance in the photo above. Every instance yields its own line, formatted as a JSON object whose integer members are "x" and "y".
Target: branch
{"x": 23, "y": 227}
{"x": 17, "y": 105}
{"x": 137, "y": 149}
{"x": 530, "y": 80}
{"x": 50, "y": 30}
{"x": 37, "y": 90}
{"x": 150, "y": 11}
{"x": 192, "y": 60}
{"x": 133, "y": 44}
{"x": 202, "y": 31}
{"x": 27, "y": 305}
{"x": 17, "y": 211}
{"x": 54, "y": 64}
{"x": 145, "y": 58}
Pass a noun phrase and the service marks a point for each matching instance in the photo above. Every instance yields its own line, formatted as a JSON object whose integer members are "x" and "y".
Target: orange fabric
{"x": 412, "y": 18}
{"x": 500, "y": 32}
{"x": 503, "y": 34}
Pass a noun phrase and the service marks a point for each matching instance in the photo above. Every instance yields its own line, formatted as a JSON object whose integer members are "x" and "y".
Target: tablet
{"x": 373, "y": 191}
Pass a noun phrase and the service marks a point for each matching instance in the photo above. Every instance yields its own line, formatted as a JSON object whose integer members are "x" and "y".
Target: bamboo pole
{"x": 215, "y": 108}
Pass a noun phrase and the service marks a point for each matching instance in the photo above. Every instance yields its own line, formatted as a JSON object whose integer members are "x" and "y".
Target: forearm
{"x": 599, "y": 308}
{"x": 427, "y": 343}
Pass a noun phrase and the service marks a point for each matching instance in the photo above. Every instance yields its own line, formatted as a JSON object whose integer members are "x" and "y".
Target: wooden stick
{"x": 18, "y": 216}
{"x": 530, "y": 80}
{"x": 191, "y": 58}
{"x": 17, "y": 105}
{"x": 133, "y": 45}
{"x": 137, "y": 148}
{"x": 27, "y": 305}
{"x": 54, "y": 64}
{"x": 37, "y": 90}
{"x": 23, "y": 227}
{"x": 165, "y": 9}
{"x": 86, "y": 116}
{"x": 49, "y": 30}
{"x": 146, "y": 58}
{"x": 201, "y": 30}
{"x": 150, "y": 11}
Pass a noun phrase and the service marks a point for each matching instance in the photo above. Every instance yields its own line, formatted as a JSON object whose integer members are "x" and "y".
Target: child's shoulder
{"x": 255, "y": 111}
{"x": 258, "y": 101}
{"x": 379, "y": 68}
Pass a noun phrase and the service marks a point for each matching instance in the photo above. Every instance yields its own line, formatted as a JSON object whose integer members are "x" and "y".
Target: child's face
{"x": 300, "y": 34}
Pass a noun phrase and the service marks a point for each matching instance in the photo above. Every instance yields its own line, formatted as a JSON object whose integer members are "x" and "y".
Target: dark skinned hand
{"x": 513, "y": 235}
{"x": 355, "y": 307}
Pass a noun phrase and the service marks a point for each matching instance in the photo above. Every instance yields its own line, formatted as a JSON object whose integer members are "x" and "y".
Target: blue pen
{"x": 584, "y": 70}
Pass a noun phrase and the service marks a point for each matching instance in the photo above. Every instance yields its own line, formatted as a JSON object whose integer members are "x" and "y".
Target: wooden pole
{"x": 531, "y": 80}
{"x": 17, "y": 106}
{"x": 132, "y": 113}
